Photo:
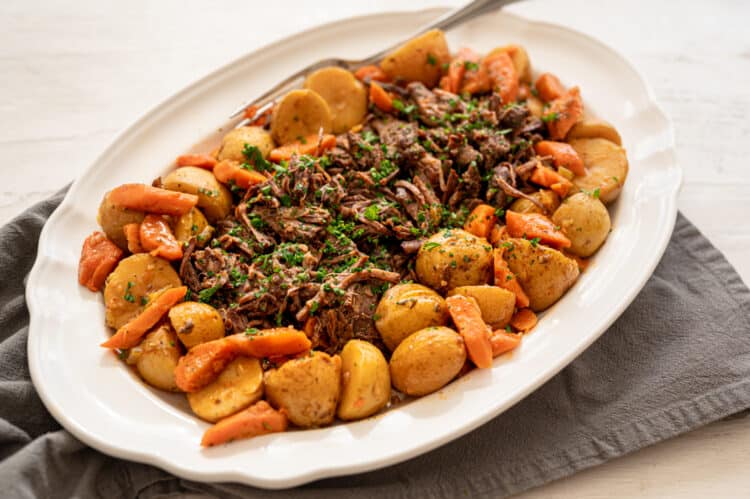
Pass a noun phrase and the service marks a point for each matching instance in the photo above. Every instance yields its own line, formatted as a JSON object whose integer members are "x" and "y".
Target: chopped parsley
{"x": 553, "y": 116}
{"x": 431, "y": 60}
{"x": 128, "y": 295}
{"x": 471, "y": 66}
{"x": 430, "y": 245}
{"x": 372, "y": 212}
{"x": 535, "y": 242}
{"x": 205, "y": 295}
{"x": 256, "y": 159}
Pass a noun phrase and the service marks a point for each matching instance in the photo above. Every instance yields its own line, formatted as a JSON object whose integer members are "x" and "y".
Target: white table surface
{"x": 74, "y": 74}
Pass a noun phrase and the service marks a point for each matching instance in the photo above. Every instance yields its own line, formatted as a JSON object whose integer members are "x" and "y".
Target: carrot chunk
{"x": 199, "y": 160}
{"x": 372, "y": 72}
{"x": 496, "y": 234}
{"x": 131, "y": 333}
{"x": 524, "y": 320}
{"x": 133, "y": 237}
{"x": 312, "y": 145}
{"x": 380, "y": 98}
{"x": 99, "y": 257}
{"x": 261, "y": 120}
{"x": 467, "y": 317}
{"x": 453, "y": 80}
{"x": 564, "y": 112}
{"x": 549, "y": 87}
{"x": 503, "y": 76}
{"x": 507, "y": 280}
{"x": 533, "y": 226}
{"x": 562, "y": 154}
{"x": 481, "y": 220}
{"x": 547, "y": 177}
{"x": 141, "y": 197}
{"x": 258, "y": 419}
{"x": 503, "y": 341}
{"x": 476, "y": 78}
{"x": 156, "y": 236}
{"x": 229, "y": 171}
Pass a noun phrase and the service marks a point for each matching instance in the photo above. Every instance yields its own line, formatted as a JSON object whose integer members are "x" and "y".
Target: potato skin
{"x": 550, "y": 200}
{"x": 156, "y": 357}
{"x": 196, "y": 323}
{"x": 345, "y": 95}
{"x": 234, "y": 142}
{"x": 412, "y": 60}
{"x": 238, "y": 386}
{"x": 193, "y": 223}
{"x": 129, "y": 287}
{"x": 365, "y": 381}
{"x": 300, "y": 113}
{"x": 213, "y": 198}
{"x": 452, "y": 258}
{"x": 606, "y": 167}
{"x": 307, "y": 388}
{"x": 113, "y": 218}
{"x": 497, "y": 304}
{"x": 427, "y": 360}
{"x": 585, "y": 221}
{"x": 545, "y": 274}
{"x": 407, "y": 308}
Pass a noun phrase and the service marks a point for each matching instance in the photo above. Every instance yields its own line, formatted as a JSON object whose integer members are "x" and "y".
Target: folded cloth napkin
{"x": 677, "y": 359}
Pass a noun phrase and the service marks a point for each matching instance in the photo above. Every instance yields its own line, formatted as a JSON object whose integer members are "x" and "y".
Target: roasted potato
{"x": 113, "y": 218}
{"x": 407, "y": 308}
{"x": 365, "y": 380}
{"x": 606, "y": 167}
{"x": 585, "y": 221}
{"x": 591, "y": 129}
{"x": 545, "y": 274}
{"x": 239, "y": 385}
{"x": 196, "y": 323}
{"x": 132, "y": 284}
{"x": 520, "y": 59}
{"x": 213, "y": 198}
{"x": 496, "y": 303}
{"x": 452, "y": 258}
{"x": 307, "y": 388}
{"x": 427, "y": 360}
{"x": 345, "y": 95}
{"x": 156, "y": 357}
{"x": 234, "y": 143}
{"x": 193, "y": 223}
{"x": 535, "y": 105}
{"x": 419, "y": 59}
{"x": 299, "y": 114}
{"x": 548, "y": 199}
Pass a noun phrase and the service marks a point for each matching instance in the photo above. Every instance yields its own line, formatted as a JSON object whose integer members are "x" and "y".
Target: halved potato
{"x": 213, "y": 198}
{"x": 239, "y": 385}
{"x": 156, "y": 357}
{"x": 193, "y": 223}
{"x": 585, "y": 221}
{"x": 590, "y": 128}
{"x": 299, "y": 114}
{"x": 606, "y": 167}
{"x": 419, "y": 59}
{"x": 130, "y": 287}
{"x": 113, "y": 218}
{"x": 497, "y": 304}
{"x": 407, "y": 308}
{"x": 196, "y": 323}
{"x": 345, "y": 95}
{"x": 454, "y": 257}
{"x": 365, "y": 380}
{"x": 520, "y": 59}
{"x": 234, "y": 143}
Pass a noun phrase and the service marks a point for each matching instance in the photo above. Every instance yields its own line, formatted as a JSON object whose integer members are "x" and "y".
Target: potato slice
{"x": 345, "y": 95}
{"x": 193, "y": 223}
{"x": 196, "y": 323}
{"x": 156, "y": 357}
{"x": 132, "y": 284}
{"x": 520, "y": 59}
{"x": 585, "y": 221}
{"x": 407, "y": 308}
{"x": 591, "y": 129}
{"x": 234, "y": 143}
{"x": 213, "y": 198}
{"x": 238, "y": 386}
{"x": 365, "y": 380}
{"x": 113, "y": 218}
{"x": 606, "y": 167}
{"x": 299, "y": 114}
{"x": 419, "y": 59}
{"x": 497, "y": 304}
{"x": 545, "y": 274}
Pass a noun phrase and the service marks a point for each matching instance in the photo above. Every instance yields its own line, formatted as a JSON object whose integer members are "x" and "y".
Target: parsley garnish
{"x": 550, "y": 117}
{"x": 535, "y": 242}
{"x": 128, "y": 295}
{"x": 204, "y": 295}
{"x": 430, "y": 245}
{"x": 471, "y": 66}
{"x": 372, "y": 212}
{"x": 431, "y": 60}
{"x": 255, "y": 157}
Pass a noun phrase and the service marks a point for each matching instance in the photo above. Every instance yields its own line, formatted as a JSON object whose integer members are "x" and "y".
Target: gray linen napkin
{"x": 677, "y": 359}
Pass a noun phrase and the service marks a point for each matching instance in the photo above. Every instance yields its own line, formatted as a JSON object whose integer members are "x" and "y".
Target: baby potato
{"x": 548, "y": 199}
{"x": 345, "y": 95}
{"x": 213, "y": 198}
{"x": 427, "y": 360}
{"x": 193, "y": 223}
{"x": 407, "y": 308}
{"x": 156, "y": 357}
{"x": 452, "y": 258}
{"x": 130, "y": 286}
{"x": 545, "y": 274}
{"x": 234, "y": 143}
{"x": 520, "y": 59}
{"x": 307, "y": 388}
{"x": 239, "y": 385}
{"x": 497, "y": 304}
{"x": 299, "y": 114}
{"x": 535, "y": 105}
{"x": 113, "y": 218}
{"x": 196, "y": 323}
{"x": 585, "y": 221}
{"x": 591, "y": 129}
{"x": 419, "y": 59}
{"x": 365, "y": 380}
{"x": 606, "y": 167}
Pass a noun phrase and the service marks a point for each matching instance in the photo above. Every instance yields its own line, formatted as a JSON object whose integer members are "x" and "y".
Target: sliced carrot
{"x": 261, "y": 120}
{"x": 380, "y": 98}
{"x": 533, "y": 226}
{"x": 131, "y": 333}
{"x": 467, "y": 317}
{"x": 99, "y": 257}
{"x": 549, "y": 87}
{"x": 565, "y": 112}
{"x": 142, "y": 197}
{"x": 507, "y": 279}
{"x": 229, "y": 171}
{"x": 372, "y": 72}
{"x": 502, "y": 75}
{"x": 503, "y": 341}
{"x": 199, "y": 160}
{"x": 496, "y": 234}
{"x": 133, "y": 236}
{"x": 258, "y": 419}
{"x": 453, "y": 80}
{"x": 562, "y": 154}
{"x": 156, "y": 237}
{"x": 524, "y": 320}
{"x": 547, "y": 177}
{"x": 312, "y": 145}
{"x": 271, "y": 342}
{"x": 476, "y": 79}
{"x": 481, "y": 221}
